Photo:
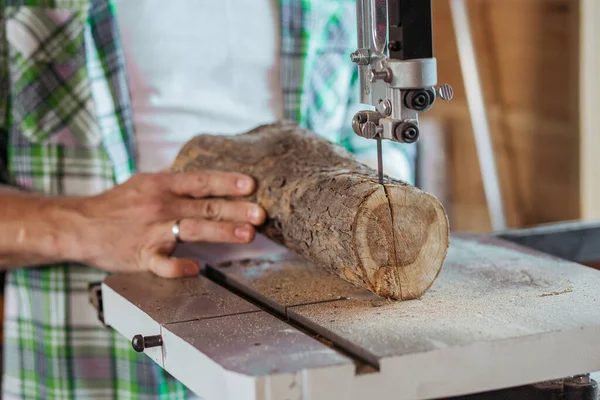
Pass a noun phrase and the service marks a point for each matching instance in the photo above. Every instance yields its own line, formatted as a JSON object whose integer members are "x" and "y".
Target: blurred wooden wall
{"x": 528, "y": 61}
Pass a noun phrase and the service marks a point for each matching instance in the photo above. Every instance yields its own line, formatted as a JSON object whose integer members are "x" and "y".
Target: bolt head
{"x": 410, "y": 135}
{"x": 385, "y": 107}
{"x": 406, "y": 133}
{"x": 394, "y": 46}
{"x": 420, "y": 100}
{"x": 360, "y": 57}
{"x": 138, "y": 343}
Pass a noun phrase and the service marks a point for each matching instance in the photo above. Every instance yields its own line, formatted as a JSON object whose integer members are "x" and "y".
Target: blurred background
{"x": 538, "y": 66}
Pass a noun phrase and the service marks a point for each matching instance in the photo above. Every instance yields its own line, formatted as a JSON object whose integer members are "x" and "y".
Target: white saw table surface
{"x": 498, "y": 316}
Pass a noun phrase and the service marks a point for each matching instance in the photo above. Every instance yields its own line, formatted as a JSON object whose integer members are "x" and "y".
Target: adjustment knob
{"x": 369, "y": 130}
{"x": 140, "y": 343}
{"x": 445, "y": 92}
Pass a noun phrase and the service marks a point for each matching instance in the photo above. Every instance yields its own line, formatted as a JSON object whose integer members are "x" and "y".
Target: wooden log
{"x": 390, "y": 239}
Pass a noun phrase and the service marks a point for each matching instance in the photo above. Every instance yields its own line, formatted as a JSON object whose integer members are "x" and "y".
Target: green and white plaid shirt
{"x": 66, "y": 129}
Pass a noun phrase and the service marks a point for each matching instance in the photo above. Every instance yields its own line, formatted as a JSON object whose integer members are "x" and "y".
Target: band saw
{"x": 512, "y": 315}
{"x": 500, "y": 316}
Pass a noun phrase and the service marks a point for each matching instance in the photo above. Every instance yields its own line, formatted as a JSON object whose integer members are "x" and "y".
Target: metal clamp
{"x": 376, "y": 125}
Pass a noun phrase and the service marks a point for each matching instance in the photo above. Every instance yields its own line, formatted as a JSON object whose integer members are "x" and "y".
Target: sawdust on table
{"x": 484, "y": 292}
{"x": 556, "y": 293}
{"x": 291, "y": 281}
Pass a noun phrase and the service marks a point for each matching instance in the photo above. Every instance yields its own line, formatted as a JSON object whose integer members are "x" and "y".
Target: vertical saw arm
{"x": 398, "y": 72}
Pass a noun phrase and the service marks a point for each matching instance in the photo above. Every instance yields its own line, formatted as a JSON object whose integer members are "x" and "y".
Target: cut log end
{"x": 415, "y": 226}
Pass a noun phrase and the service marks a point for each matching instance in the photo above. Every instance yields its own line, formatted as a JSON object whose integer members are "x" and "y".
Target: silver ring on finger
{"x": 176, "y": 231}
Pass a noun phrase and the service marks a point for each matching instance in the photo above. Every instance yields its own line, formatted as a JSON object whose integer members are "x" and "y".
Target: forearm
{"x": 129, "y": 228}
{"x": 36, "y": 230}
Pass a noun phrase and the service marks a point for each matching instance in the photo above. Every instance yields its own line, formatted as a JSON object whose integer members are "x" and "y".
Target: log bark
{"x": 390, "y": 239}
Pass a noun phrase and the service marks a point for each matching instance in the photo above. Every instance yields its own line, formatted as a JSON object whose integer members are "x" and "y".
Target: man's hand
{"x": 128, "y": 228}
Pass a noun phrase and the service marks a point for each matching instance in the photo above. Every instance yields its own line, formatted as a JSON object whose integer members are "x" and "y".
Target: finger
{"x": 210, "y": 183}
{"x": 170, "y": 267}
{"x": 220, "y": 210}
{"x": 201, "y": 230}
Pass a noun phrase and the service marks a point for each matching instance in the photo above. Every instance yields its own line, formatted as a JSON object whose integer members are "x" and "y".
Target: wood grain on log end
{"x": 328, "y": 207}
{"x": 401, "y": 239}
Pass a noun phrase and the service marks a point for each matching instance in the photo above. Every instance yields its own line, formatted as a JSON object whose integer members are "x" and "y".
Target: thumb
{"x": 171, "y": 267}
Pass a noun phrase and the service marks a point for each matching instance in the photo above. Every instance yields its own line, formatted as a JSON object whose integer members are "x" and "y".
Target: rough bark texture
{"x": 390, "y": 239}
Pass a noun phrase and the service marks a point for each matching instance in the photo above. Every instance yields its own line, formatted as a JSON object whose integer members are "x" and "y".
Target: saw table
{"x": 499, "y": 316}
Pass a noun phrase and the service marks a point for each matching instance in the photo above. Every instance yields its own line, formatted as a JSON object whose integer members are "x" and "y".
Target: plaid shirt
{"x": 66, "y": 129}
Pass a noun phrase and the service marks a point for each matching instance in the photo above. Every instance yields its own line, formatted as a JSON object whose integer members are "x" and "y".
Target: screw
{"x": 394, "y": 46}
{"x": 419, "y": 100}
{"x": 360, "y": 58}
{"x": 385, "y": 107}
{"x": 445, "y": 92}
{"x": 385, "y": 75}
{"x": 140, "y": 343}
{"x": 406, "y": 133}
{"x": 410, "y": 134}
